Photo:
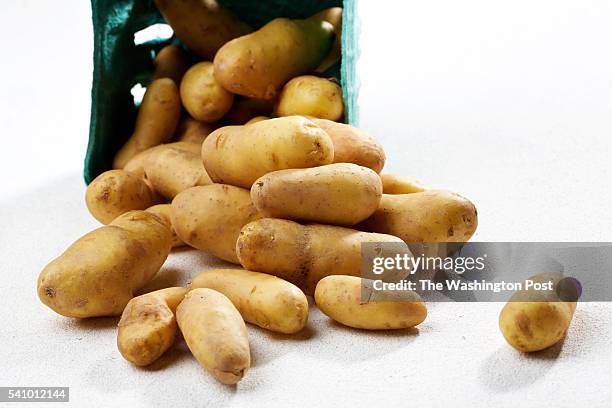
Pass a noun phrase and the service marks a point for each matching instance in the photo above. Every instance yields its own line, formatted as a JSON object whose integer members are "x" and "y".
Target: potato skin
{"x": 202, "y": 96}
{"x": 116, "y": 192}
{"x": 215, "y": 333}
{"x": 239, "y": 155}
{"x": 339, "y": 194}
{"x": 209, "y": 218}
{"x": 163, "y": 211}
{"x": 203, "y": 25}
{"x": 156, "y": 122}
{"x": 171, "y": 62}
{"x": 395, "y": 184}
{"x": 340, "y": 298}
{"x": 148, "y": 327}
{"x": 352, "y": 145}
{"x": 175, "y": 167}
{"x": 257, "y": 65}
{"x": 98, "y": 274}
{"x": 311, "y": 96}
{"x": 193, "y": 131}
{"x": 333, "y": 16}
{"x": 262, "y": 299}
{"x": 429, "y": 216}
{"x": 303, "y": 254}
{"x": 257, "y": 119}
{"x": 532, "y": 320}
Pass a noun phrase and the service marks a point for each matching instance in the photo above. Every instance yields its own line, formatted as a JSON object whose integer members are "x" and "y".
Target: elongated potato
{"x": 339, "y": 194}
{"x": 303, "y": 254}
{"x": 333, "y": 16}
{"x": 430, "y": 216}
{"x": 99, "y": 273}
{"x": 116, "y": 192}
{"x": 394, "y": 184}
{"x": 163, "y": 212}
{"x": 259, "y": 64}
{"x": 309, "y": 95}
{"x": 244, "y": 109}
{"x": 148, "y": 327}
{"x": 202, "y": 25}
{"x": 202, "y": 96}
{"x": 175, "y": 168}
{"x": 534, "y": 320}
{"x": 193, "y": 131}
{"x": 354, "y": 302}
{"x": 215, "y": 333}
{"x": 209, "y": 218}
{"x": 352, "y": 145}
{"x": 261, "y": 299}
{"x": 171, "y": 62}
{"x": 156, "y": 121}
{"x": 239, "y": 155}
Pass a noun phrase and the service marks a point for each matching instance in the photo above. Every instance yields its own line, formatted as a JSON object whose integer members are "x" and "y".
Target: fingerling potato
{"x": 394, "y": 184}
{"x": 202, "y": 96}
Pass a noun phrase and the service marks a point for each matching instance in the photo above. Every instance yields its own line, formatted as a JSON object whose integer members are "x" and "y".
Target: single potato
{"x": 339, "y": 194}
{"x": 163, "y": 212}
{"x": 175, "y": 168}
{"x": 394, "y": 184}
{"x": 244, "y": 109}
{"x": 193, "y": 131}
{"x": 352, "y": 145}
{"x": 303, "y": 254}
{"x": 156, "y": 122}
{"x": 239, "y": 155}
{"x": 257, "y": 65}
{"x": 261, "y": 299}
{"x": 535, "y": 320}
{"x": 209, "y": 218}
{"x": 430, "y": 216}
{"x": 202, "y": 25}
{"x": 116, "y": 192}
{"x": 202, "y": 96}
{"x": 171, "y": 62}
{"x": 99, "y": 273}
{"x": 215, "y": 333}
{"x": 333, "y": 16}
{"x": 311, "y": 96}
{"x": 148, "y": 327}
{"x": 354, "y": 302}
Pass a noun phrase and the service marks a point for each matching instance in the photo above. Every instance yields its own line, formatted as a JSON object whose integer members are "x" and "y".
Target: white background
{"x": 508, "y": 103}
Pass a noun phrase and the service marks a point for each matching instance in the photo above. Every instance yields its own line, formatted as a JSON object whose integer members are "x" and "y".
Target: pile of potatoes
{"x": 243, "y": 155}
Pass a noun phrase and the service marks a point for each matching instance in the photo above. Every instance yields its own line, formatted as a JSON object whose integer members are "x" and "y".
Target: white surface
{"x": 508, "y": 103}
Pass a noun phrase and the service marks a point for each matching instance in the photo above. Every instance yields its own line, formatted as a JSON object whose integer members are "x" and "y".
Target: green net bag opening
{"x": 129, "y": 33}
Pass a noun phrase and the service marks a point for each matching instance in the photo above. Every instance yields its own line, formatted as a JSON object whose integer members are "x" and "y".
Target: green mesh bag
{"x": 119, "y": 64}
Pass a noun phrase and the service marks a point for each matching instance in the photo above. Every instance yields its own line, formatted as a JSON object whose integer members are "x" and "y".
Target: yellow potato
{"x": 311, "y": 96}
{"x": 303, "y": 254}
{"x": 175, "y": 168}
{"x": 259, "y": 64}
{"x": 352, "y": 145}
{"x": 116, "y": 192}
{"x": 261, "y": 299}
{"x": 136, "y": 165}
{"x": 202, "y": 96}
{"x": 534, "y": 320}
{"x": 163, "y": 212}
{"x": 193, "y": 131}
{"x": 354, "y": 302}
{"x": 215, "y": 333}
{"x": 171, "y": 62}
{"x": 257, "y": 119}
{"x": 99, "y": 273}
{"x": 430, "y": 216}
{"x": 239, "y": 155}
{"x": 339, "y": 194}
{"x": 148, "y": 327}
{"x": 156, "y": 121}
{"x": 245, "y": 109}
{"x": 209, "y": 218}
{"x": 333, "y": 16}
{"x": 394, "y": 184}
{"x": 202, "y": 25}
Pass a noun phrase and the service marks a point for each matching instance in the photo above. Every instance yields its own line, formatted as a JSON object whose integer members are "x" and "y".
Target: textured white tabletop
{"x": 508, "y": 104}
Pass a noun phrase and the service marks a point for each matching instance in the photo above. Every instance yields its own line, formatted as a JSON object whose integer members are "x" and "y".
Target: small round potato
{"x": 215, "y": 333}
{"x": 394, "y": 184}
{"x": 354, "y": 302}
{"x": 193, "y": 131}
{"x": 261, "y": 299}
{"x": 311, "y": 96}
{"x": 202, "y": 96}
{"x": 163, "y": 212}
{"x": 171, "y": 62}
{"x": 339, "y": 194}
{"x": 148, "y": 327}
